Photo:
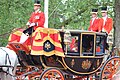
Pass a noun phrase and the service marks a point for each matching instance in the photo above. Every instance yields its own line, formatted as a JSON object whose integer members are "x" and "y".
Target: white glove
{"x": 28, "y": 23}
{"x": 32, "y": 24}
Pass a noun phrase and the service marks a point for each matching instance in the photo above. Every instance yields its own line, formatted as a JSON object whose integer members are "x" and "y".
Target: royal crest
{"x": 47, "y": 45}
{"x": 86, "y": 64}
{"x": 37, "y": 17}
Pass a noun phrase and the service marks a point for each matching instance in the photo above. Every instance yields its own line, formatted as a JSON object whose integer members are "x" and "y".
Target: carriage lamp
{"x": 67, "y": 40}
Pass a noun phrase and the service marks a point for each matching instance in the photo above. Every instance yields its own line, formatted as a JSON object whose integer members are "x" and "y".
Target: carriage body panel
{"x": 82, "y": 66}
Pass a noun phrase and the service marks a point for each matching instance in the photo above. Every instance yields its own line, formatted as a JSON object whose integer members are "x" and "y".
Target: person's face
{"x": 36, "y": 7}
{"x": 104, "y": 14}
{"x": 94, "y": 15}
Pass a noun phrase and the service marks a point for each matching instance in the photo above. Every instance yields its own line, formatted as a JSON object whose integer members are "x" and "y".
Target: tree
{"x": 117, "y": 23}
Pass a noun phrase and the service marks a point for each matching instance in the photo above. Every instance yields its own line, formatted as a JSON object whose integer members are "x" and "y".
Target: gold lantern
{"x": 67, "y": 40}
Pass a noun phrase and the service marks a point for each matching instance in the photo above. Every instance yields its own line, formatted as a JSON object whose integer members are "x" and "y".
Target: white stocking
{"x": 23, "y": 38}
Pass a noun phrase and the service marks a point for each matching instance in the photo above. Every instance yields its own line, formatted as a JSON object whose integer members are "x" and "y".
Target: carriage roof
{"x": 83, "y": 31}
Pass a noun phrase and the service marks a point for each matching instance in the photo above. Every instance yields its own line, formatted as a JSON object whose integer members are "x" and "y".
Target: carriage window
{"x": 72, "y": 45}
{"x": 88, "y": 44}
{"x": 99, "y": 45}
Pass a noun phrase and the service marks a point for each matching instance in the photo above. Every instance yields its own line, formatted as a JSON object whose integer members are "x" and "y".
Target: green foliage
{"x": 73, "y": 14}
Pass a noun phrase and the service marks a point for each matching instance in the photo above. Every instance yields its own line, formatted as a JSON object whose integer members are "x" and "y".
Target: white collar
{"x": 105, "y": 17}
{"x": 94, "y": 18}
{"x": 37, "y": 10}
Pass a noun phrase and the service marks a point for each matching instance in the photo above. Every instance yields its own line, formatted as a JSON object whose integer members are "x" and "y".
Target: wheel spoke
{"x": 52, "y": 74}
{"x": 110, "y": 69}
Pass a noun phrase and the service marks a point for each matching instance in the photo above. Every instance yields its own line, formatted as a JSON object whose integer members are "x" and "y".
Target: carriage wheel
{"x": 110, "y": 69}
{"x": 52, "y": 74}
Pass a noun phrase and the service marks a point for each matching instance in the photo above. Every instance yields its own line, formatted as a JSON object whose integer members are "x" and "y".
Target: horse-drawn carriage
{"x": 64, "y": 55}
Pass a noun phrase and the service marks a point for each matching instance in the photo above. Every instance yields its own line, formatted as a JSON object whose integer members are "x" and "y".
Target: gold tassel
{"x": 38, "y": 36}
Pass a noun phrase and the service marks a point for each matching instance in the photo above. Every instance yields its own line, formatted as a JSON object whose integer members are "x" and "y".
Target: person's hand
{"x": 32, "y": 24}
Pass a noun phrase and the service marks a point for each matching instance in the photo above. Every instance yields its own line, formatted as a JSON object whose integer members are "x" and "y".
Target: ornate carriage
{"x": 69, "y": 54}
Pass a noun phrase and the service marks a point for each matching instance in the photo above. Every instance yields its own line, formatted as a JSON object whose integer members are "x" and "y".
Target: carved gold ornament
{"x": 98, "y": 62}
{"x": 86, "y": 64}
{"x": 72, "y": 62}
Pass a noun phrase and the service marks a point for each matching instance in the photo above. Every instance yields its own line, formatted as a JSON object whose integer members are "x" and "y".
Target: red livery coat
{"x": 38, "y": 18}
{"x": 107, "y": 26}
{"x": 94, "y": 26}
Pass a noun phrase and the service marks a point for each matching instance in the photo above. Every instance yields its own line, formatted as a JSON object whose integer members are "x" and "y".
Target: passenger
{"x": 98, "y": 49}
{"x": 106, "y": 22}
{"x": 94, "y": 22}
{"x": 37, "y": 19}
{"x": 75, "y": 48}
{"x": 74, "y": 45}
{"x": 90, "y": 46}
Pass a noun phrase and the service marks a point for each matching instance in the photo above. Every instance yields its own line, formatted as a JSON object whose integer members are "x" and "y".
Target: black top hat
{"x": 103, "y": 9}
{"x": 37, "y": 3}
{"x": 94, "y": 11}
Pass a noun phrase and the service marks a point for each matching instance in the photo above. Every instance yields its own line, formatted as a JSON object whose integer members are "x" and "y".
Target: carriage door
{"x": 71, "y": 46}
{"x": 87, "y": 44}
